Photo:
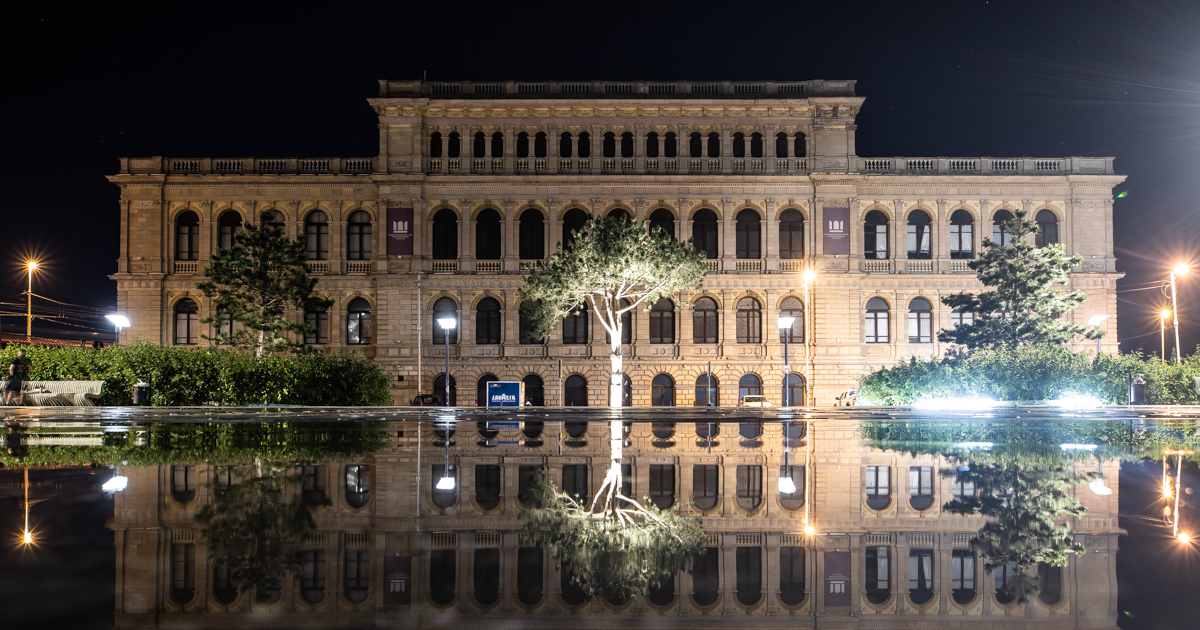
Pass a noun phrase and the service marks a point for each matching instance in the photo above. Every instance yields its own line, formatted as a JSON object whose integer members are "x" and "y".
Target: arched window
{"x": 1047, "y": 223}
{"x": 670, "y": 145}
{"x": 756, "y": 145}
{"x": 662, "y": 485}
{"x": 539, "y": 145}
{"x": 487, "y": 235}
{"x": 704, "y": 233}
{"x": 749, "y": 234}
{"x": 183, "y": 483}
{"x": 875, "y": 238}
{"x": 187, "y": 236}
{"x": 442, "y": 576}
{"x": 439, "y": 389}
{"x": 749, "y": 385}
{"x": 662, "y": 219}
{"x": 571, "y": 593}
{"x": 704, "y": 321}
{"x": 791, "y": 575}
{"x": 526, "y": 331}
{"x": 1001, "y": 234}
{"x": 522, "y": 145}
{"x": 879, "y": 487}
{"x": 795, "y": 390}
{"x": 532, "y": 235}
{"x": 627, "y": 145}
{"x": 487, "y": 574}
{"x": 312, "y": 575}
{"x": 749, "y": 575}
{"x": 750, "y": 430}
{"x": 534, "y": 393}
{"x": 575, "y": 326}
{"x": 1005, "y": 577}
{"x": 531, "y": 573}
{"x": 358, "y": 322}
{"x": 706, "y": 576}
{"x": 497, "y": 145}
{"x": 444, "y": 308}
{"x": 443, "y": 498}
{"x": 662, "y": 391}
{"x": 564, "y": 145}
{"x": 920, "y": 575}
{"x": 572, "y": 222}
{"x": 479, "y": 147}
{"x": 487, "y": 483}
{"x": 876, "y": 325}
{"x": 878, "y": 574}
{"x": 791, "y": 235}
{"x": 652, "y": 145}
{"x": 277, "y": 220}
{"x": 920, "y": 321}
{"x": 793, "y": 307}
{"x": 316, "y": 235}
{"x": 918, "y": 234}
{"x": 187, "y": 322}
{"x": 707, "y": 391}
{"x": 619, "y": 214}
{"x": 183, "y": 572}
{"x": 962, "y": 235}
{"x": 223, "y": 591}
{"x": 318, "y": 323}
{"x": 445, "y": 235}
{"x": 358, "y": 236}
{"x": 358, "y": 485}
{"x": 920, "y": 487}
{"x": 962, "y": 575}
{"x": 705, "y": 488}
{"x": 435, "y": 145}
{"x": 801, "y": 148}
{"x": 1052, "y": 583}
{"x": 609, "y": 145}
{"x": 749, "y": 321}
{"x": 454, "y": 145}
{"x": 739, "y": 145}
{"x": 487, "y": 322}
{"x": 229, "y": 223}
{"x": 575, "y": 391}
{"x": 781, "y": 145}
{"x": 662, "y": 321}
{"x": 792, "y": 500}
{"x": 695, "y": 145}
{"x": 749, "y": 486}
{"x": 714, "y": 145}
{"x": 585, "y": 144}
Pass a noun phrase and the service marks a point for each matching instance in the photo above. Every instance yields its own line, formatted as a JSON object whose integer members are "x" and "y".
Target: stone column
{"x": 685, "y": 220}
{"x": 639, "y": 149}
{"x": 771, "y": 233}
{"x": 639, "y": 209}
{"x": 726, "y": 149}
{"x": 596, "y": 141}
{"x": 728, "y": 574}
{"x": 548, "y": 228}
{"x": 509, "y": 247}
{"x": 510, "y": 149}
{"x": 940, "y": 239}
{"x": 899, "y": 236}
{"x": 337, "y": 229}
{"x": 466, "y": 242}
{"x": 381, "y": 163}
{"x": 728, "y": 238}
{"x": 983, "y": 227}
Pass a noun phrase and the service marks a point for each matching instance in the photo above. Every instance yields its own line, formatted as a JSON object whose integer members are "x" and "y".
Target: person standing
{"x": 16, "y": 375}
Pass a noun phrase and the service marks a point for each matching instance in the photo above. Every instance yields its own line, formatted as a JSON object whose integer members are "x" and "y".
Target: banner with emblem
{"x": 397, "y": 578}
{"x": 399, "y": 231}
{"x": 837, "y": 578}
{"x": 835, "y": 231}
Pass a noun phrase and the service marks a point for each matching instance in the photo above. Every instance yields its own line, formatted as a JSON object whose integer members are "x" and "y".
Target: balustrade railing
{"x": 749, "y": 265}
{"x": 919, "y": 266}
{"x": 187, "y": 266}
{"x": 876, "y": 266}
{"x": 487, "y": 266}
{"x": 358, "y": 266}
{"x": 317, "y": 266}
{"x": 445, "y": 266}
{"x": 793, "y": 266}
{"x": 712, "y": 265}
{"x": 960, "y": 266}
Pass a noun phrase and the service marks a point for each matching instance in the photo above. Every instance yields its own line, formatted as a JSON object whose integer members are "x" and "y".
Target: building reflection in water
{"x": 359, "y": 532}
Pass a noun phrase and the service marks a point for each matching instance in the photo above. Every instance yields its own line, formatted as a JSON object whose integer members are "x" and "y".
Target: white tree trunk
{"x": 616, "y": 361}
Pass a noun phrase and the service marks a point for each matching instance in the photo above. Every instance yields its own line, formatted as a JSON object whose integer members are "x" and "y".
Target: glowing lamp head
{"x": 1166, "y": 314}
{"x": 120, "y": 321}
{"x": 1184, "y": 537}
{"x": 445, "y": 483}
{"x": 1181, "y": 269}
{"x": 810, "y": 275}
{"x": 787, "y": 486}
{"x": 786, "y": 322}
{"x": 27, "y": 538}
{"x": 447, "y": 323}
{"x": 809, "y": 530}
{"x": 31, "y": 265}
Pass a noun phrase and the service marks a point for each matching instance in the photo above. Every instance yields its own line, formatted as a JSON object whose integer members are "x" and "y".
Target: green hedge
{"x": 202, "y": 376}
{"x": 1032, "y": 374}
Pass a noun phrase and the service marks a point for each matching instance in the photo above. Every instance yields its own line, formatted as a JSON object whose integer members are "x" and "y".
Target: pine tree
{"x": 254, "y": 283}
{"x": 1024, "y": 308}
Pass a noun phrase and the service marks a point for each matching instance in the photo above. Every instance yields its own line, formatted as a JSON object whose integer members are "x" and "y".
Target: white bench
{"x": 61, "y": 393}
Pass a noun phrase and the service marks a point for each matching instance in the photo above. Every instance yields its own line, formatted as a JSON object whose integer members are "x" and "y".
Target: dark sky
{"x": 88, "y": 82}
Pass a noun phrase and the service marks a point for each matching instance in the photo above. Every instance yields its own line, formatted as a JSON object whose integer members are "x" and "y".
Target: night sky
{"x": 88, "y": 82}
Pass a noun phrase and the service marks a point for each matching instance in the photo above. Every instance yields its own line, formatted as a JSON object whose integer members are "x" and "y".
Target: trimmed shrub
{"x": 1032, "y": 374}
{"x": 204, "y": 376}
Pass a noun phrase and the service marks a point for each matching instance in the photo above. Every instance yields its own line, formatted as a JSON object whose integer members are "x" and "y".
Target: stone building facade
{"x": 763, "y": 174}
{"x": 396, "y": 552}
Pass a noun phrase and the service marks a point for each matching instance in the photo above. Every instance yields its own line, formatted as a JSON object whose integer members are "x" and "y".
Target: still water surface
{"x": 1022, "y": 518}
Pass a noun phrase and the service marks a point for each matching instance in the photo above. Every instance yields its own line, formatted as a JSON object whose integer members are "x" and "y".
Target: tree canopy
{"x": 1024, "y": 308}
{"x": 252, "y": 285}
{"x": 610, "y": 267}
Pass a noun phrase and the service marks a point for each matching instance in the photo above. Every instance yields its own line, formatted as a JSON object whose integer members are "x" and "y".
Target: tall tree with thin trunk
{"x": 254, "y": 283}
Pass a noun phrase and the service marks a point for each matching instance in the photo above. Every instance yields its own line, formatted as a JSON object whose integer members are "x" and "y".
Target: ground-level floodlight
{"x": 118, "y": 320}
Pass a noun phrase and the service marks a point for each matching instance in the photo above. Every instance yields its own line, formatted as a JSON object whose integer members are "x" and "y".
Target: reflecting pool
{"x": 1020, "y": 517}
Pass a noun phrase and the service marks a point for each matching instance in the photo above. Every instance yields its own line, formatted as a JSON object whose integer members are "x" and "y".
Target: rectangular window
{"x": 963, "y": 489}
{"x": 875, "y": 241}
{"x": 962, "y": 239}
{"x": 312, "y": 576}
{"x": 962, "y": 570}
{"x": 704, "y": 485}
{"x": 575, "y": 481}
{"x": 878, "y": 479}
{"x": 183, "y": 569}
{"x": 749, "y": 486}
{"x": 958, "y": 318}
{"x": 525, "y": 475}
{"x": 319, "y": 323}
{"x": 920, "y": 327}
{"x": 791, "y": 571}
{"x": 662, "y": 485}
{"x": 313, "y": 486}
{"x": 487, "y": 485}
{"x": 920, "y": 570}
{"x": 877, "y": 327}
{"x": 877, "y": 569}
{"x": 748, "y": 573}
{"x": 356, "y": 574}
{"x": 918, "y": 240}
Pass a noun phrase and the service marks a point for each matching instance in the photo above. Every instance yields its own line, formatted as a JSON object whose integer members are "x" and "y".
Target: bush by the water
{"x": 202, "y": 376}
{"x": 1037, "y": 373}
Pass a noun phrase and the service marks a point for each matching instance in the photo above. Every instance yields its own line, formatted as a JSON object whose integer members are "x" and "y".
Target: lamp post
{"x": 32, "y": 265}
{"x": 447, "y": 481}
{"x": 785, "y": 331}
{"x": 1162, "y": 332}
{"x": 119, "y": 321}
{"x": 447, "y": 324}
{"x": 1095, "y": 320}
{"x": 809, "y": 392}
{"x": 787, "y": 485}
{"x": 1179, "y": 270}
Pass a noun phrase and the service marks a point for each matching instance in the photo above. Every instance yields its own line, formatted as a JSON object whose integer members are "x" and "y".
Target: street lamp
{"x": 447, "y": 481}
{"x": 1179, "y": 270}
{"x": 1162, "y": 332}
{"x": 31, "y": 266}
{"x": 787, "y": 485}
{"x": 119, "y": 321}
{"x": 785, "y": 331}
{"x": 810, "y": 277}
{"x": 1095, "y": 320}
{"x": 447, "y": 324}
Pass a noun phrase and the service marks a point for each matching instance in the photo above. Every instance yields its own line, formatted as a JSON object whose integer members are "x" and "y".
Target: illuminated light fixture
{"x": 786, "y": 322}
{"x": 116, "y": 484}
{"x": 447, "y": 323}
{"x": 809, "y": 530}
{"x": 1165, "y": 314}
{"x": 1078, "y": 447}
{"x": 958, "y": 403}
{"x": 1184, "y": 538}
{"x": 1077, "y": 402}
{"x": 1180, "y": 269}
{"x": 445, "y": 483}
{"x": 27, "y": 538}
{"x": 809, "y": 275}
{"x": 970, "y": 446}
{"x": 1096, "y": 319}
{"x": 786, "y": 485}
{"x": 118, "y": 320}
{"x": 31, "y": 265}
{"x": 1098, "y": 488}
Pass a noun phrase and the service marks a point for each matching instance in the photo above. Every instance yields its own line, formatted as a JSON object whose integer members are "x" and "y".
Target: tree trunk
{"x": 616, "y": 387}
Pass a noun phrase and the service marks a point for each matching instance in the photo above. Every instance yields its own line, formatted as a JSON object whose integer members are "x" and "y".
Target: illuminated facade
{"x": 491, "y": 176}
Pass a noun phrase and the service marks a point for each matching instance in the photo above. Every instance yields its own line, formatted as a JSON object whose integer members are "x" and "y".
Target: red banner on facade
{"x": 399, "y": 231}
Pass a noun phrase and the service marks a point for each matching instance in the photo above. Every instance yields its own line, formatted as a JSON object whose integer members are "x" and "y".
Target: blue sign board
{"x": 505, "y": 393}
